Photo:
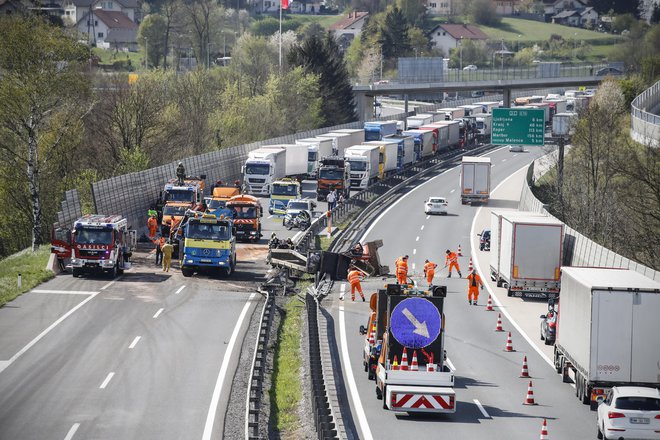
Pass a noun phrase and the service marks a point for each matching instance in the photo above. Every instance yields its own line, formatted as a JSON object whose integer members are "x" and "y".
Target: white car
{"x": 630, "y": 412}
{"x": 435, "y": 205}
{"x": 516, "y": 148}
{"x": 470, "y": 67}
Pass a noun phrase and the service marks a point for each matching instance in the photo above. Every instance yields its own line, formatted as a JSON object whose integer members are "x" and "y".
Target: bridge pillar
{"x": 506, "y": 98}
{"x": 364, "y": 107}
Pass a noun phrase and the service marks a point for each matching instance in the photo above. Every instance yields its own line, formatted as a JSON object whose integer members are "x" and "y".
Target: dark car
{"x": 549, "y": 327}
{"x": 484, "y": 240}
{"x": 609, "y": 71}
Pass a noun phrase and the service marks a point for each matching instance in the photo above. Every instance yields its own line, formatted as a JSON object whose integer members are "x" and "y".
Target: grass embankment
{"x": 513, "y": 29}
{"x": 31, "y": 266}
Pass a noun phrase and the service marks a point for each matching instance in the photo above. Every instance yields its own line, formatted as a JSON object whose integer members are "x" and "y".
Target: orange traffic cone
{"x": 525, "y": 371}
{"x": 395, "y": 364}
{"x": 413, "y": 365}
{"x": 470, "y": 267}
{"x": 430, "y": 367}
{"x": 460, "y": 253}
{"x": 509, "y": 344}
{"x": 404, "y": 360}
{"x": 489, "y": 306}
{"x": 498, "y": 328}
{"x": 544, "y": 431}
{"x": 529, "y": 400}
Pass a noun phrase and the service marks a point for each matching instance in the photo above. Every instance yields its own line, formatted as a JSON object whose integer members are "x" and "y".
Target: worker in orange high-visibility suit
{"x": 402, "y": 270}
{"x": 451, "y": 260}
{"x": 354, "y": 277}
{"x": 429, "y": 271}
{"x": 152, "y": 224}
{"x": 474, "y": 282}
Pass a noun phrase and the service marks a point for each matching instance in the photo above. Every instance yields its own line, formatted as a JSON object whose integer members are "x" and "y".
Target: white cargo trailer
{"x": 340, "y": 142}
{"x": 475, "y": 179}
{"x": 607, "y": 331}
{"x": 388, "y": 156}
{"x": 295, "y": 159}
{"x": 317, "y": 148}
{"x": 357, "y": 135}
{"x": 416, "y": 121}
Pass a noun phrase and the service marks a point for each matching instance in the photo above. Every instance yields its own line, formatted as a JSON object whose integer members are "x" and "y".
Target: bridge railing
{"x": 644, "y": 124}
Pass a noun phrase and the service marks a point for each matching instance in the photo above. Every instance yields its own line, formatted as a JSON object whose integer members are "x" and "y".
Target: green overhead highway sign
{"x": 518, "y": 126}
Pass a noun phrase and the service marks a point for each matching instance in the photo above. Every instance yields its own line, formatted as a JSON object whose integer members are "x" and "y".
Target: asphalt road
{"x": 489, "y": 391}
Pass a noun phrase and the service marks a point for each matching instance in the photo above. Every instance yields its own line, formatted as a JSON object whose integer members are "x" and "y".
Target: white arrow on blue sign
{"x": 415, "y": 322}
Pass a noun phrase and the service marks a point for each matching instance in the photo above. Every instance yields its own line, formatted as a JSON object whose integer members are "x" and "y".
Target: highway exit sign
{"x": 518, "y": 126}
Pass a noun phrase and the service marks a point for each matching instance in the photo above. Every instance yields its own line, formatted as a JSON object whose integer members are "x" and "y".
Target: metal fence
{"x": 644, "y": 124}
{"x": 580, "y": 250}
{"x": 71, "y": 210}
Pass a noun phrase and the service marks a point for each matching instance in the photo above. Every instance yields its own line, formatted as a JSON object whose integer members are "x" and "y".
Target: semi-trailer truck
{"x": 363, "y": 160}
{"x": 316, "y": 149}
{"x": 475, "y": 179}
{"x": 377, "y": 130}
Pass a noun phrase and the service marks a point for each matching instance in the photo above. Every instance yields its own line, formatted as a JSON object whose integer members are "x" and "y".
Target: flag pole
{"x": 281, "y": 1}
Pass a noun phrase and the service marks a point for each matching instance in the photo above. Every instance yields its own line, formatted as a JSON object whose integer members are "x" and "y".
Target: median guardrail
{"x": 644, "y": 124}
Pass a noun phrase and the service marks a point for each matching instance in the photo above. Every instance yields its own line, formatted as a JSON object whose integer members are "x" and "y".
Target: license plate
{"x": 639, "y": 420}
{"x": 205, "y": 261}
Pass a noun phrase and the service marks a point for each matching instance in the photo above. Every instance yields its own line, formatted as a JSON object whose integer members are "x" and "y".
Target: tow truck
{"x": 247, "y": 213}
{"x": 98, "y": 243}
{"x": 180, "y": 196}
{"x": 282, "y": 191}
{"x": 406, "y": 346}
{"x": 209, "y": 243}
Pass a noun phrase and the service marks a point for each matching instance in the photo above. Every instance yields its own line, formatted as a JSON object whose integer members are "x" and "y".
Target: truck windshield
{"x": 330, "y": 174}
{"x": 285, "y": 190}
{"x": 207, "y": 231}
{"x": 216, "y": 204}
{"x": 244, "y": 212}
{"x": 358, "y": 165}
{"x": 312, "y": 155}
{"x": 93, "y": 236}
{"x": 174, "y": 210}
{"x": 253, "y": 168}
{"x": 179, "y": 195}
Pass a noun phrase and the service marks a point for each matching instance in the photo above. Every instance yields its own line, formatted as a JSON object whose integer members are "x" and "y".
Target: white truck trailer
{"x": 527, "y": 254}
{"x": 607, "y": 332}
{"x": 387, "y": 162}
{"x": 295, "y": 163}
{"x": 317, "y": 148}
{"x": 262, "y": 167}
{"x": 454, "y": 135}
{"x": 364, "y": 164}
{"x": 340, "y": 142}
{"x": 484, "y": 127}
{"x": 472, "y": 109}
{"x": 488, "y": 106}
{"x": 563, "y": 123}
{"x": 417, "y": 121}
{"x": 475, "y": 179}
{"x": 357, "y": 135}
{"x": 453, "y": 113}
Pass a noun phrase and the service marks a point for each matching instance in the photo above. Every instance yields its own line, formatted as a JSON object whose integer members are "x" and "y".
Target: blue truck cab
{"x": 209, "y": 245}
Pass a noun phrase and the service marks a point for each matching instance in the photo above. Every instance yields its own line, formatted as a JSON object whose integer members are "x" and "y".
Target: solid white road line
{"x": 481, "y": 408}
{"x": 496, "y": 301}
{"x": 5, "y": 364}
{"x": 72, "y": 431}
{"x": 270, "y": 216}
{"x": 107, "y": 380}
{"x": 116, "y": 279}
{"x": 158, "y": 313}
{"x": 179, "y": 290}
{"x": 352, "y": 386}
{"x": 215, "y": 399}
{"x": 66, "y": 292}
{"x": 135, "y": 341}
{"x": 503, "y": 160}
{"x": 342, "y": 290}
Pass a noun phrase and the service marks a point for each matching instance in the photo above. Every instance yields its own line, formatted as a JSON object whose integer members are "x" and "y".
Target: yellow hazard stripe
{"x": 207, "y": 244}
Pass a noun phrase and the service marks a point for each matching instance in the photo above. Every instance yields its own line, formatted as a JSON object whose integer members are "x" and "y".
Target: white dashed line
{"x": 135, "y": 341}
{"x": 72, "y": 431}
{"x": 481, "y": 408}
{"x": 270, "y": 216}
{"x": 422, "y": 228}
{"x": 503, "y": 160}
{"x": 417, "y": 239}
{"x": 342, "y": 290}
{"x": 158, "y": 313}
{"x": 65, "y": 292}
{"x": 179, "y": 290}
{"x": 428, "y": 217}
{"x": 414, "y": 251}
{"x": 452, "y": 191}
{"x": 413, "y": 266}
{"x": 107, "y": 380}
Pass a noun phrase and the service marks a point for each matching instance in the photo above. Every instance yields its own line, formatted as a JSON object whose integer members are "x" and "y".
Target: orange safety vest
{"x": 451, "y": 258}
{"x": 401, "y": 266}
{"x": 429, "y": 267}
{"x": 354, "y": 276}
{"x": 152, "y": 223}
{"x": 474, "y": 280}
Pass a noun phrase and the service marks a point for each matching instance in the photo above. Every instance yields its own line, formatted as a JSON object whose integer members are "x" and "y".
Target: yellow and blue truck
{"x": 282, "y": 191}
{"x": 209, "y": 244}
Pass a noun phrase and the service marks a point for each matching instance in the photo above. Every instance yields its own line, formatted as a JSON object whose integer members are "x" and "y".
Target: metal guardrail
{"x": 645, "y": 125}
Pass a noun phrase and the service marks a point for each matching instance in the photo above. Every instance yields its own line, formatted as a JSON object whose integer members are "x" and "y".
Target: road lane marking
{"x": 72, "y": 431}
{"x": 496, "y": 300}
{"x": 270, "y": 216}
{"x": 413, "y": 266}
{"x": 66, "y": 292}
{"x": 451, "y": 366}
{"x": 135, "y": 341}
{"x": 428, "y": 217}
{"x": 107, "y": 380}
{"x": 422, "y": 228}
{"x": 158, "y": 313}
{"x": 342, "y": 290}
{"x": 5, "y": 364}
{"x": 503, "y": 160}
{"x": 417, "y": 239}
{"x": 180, "y": 289}
{"x": 452, "y": 191}
{"x": 481, "y": 408}
{"x": 215, "y": 399}
{"x": 414, "y": 251}
{"x": 352, "y": 386}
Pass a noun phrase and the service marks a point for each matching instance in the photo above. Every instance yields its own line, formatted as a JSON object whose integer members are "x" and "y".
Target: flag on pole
{"x": 285, "y": 4}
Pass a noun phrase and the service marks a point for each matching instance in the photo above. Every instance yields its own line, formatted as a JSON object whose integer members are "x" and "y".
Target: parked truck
{"x": 97, "y": 244}
{"x": 472, "y": 109}
{"x": 387, "y": 159}
{"x": 208, "y": 245}
{"x": 475, "y": 179}
{"x": 406, "y": 149}
{"x": 563, "y": 124}
{"x": 269, "y": 163}
{"x": 484, "y": 127}
{"x": 317, "y": 148}
{"x": 528, "y": 254}
{"x": 454, "y": 135}
{"x": 453, "y": 113}
{"x": 423, "y": 142}
{"x": 377, "y": 130}
{"x": 363, "y": 160}
{"x": 441, "y": 134}
{"x": 357, "y": 135}
{"x": 412, "y": 374}
{"x": 247, "y": 217}
{"x": 340, "y": 142}
{"x": 413, "y": 122}
{"x": 607, "y": 331}
{"x": 488, "y": 106}
{"x": 334, "y": 173}
{"x": 216, "y": 204}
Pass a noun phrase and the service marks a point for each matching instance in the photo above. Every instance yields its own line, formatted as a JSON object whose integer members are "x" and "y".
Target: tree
{"x": 370, "y": 64}
{"x": 205, "y": 19}
{"x": 322, "y": 57}
{"x": 170, "y": 10}
{"x": 394, "y": 34}
{"x": 616, "y": 6}
{"x": 419, "y": 42}
{"x": 253, "y": 59}
{"x": 484, "y": 12}
{"x": 152, "y": 36}
{"x": 413, "y": 10}
{"x": 43, "y": 98}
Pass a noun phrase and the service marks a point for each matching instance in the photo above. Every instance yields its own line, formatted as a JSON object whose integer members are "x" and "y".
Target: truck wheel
{"x": 557, "y": 363}
{"x": 498, "y": 283}
{"x": 586, "y": 392}
{"x": 379, "y": 394}
{"x": 548, "y": 341}
{"x": 187, "y": 272}
{"x": 76, "y": 272}
{"x": 113, "y": 272}
{"x": 366, "y": 367}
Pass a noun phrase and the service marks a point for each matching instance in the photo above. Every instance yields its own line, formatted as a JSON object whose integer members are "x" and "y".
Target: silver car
{"x": 516, "y": 148}
{"x": 435, "y": 205}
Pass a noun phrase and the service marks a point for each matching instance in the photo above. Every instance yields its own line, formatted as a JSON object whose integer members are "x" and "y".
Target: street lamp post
{"x": 502, "y": 53}
{"x": 460, "y": 55}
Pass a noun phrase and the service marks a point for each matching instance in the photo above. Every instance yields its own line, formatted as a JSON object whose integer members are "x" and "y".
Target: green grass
{"x": 31, "y": 266}
{"x": 109, "y": 56}
{"x": 324, "y": 20}
{"x": 286, "y": 391}
{"x": 530, "y": 30}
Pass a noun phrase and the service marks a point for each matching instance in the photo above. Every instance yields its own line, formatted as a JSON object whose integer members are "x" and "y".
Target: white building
{"x": 109, "y": 29}
{"x": 449, "y": 36}
{"x": 348, "y": 28}
{"x": 74, "y": 10}
{"x": 439, "y": 7}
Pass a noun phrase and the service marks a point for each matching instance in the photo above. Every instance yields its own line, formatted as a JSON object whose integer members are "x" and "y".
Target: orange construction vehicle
{"x": 181, "y": 196}
{"x": 247, "y": 213}
{"x": 219, "y": 198}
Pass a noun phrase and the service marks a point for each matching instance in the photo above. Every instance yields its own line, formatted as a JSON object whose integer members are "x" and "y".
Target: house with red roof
{"x": 446, "y": 37}
{"x": 109, "y": 29}
{"x": 348, "y": 28}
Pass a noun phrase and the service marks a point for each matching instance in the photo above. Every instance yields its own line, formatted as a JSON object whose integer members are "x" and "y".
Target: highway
{"x": 489, "y": 391}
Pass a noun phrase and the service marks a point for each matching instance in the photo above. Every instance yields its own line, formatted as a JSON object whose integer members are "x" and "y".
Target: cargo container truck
{"x": 406, "y": 149}
{"x": 488, "y": 106}
{"x": 387, "y": 159}
{"x": 262, "y": 167}
{"x": 454, "y": 133}
{"x": 453, "y": 113}
{"x": 377, "y": 130}
{"x": 363, "y": 160}
{"x": 475, "y": 179}
{"x": 414, "y": 122}
{"x": 563, "y": 123}
{"x": 334, "y": 173}
{"x": 484, "y": 127}
{"x": 316, "y": 149}
{"x": 357, "y": 136}
{"x": 472, "y": 109}
{"x": 423, "y": 142}
{"x": 340, "y": 142}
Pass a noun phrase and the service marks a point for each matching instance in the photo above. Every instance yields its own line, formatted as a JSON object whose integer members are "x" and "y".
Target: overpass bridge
{"x": 500, "y": 80}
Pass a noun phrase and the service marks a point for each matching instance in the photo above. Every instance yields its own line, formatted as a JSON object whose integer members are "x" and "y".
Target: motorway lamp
{"x": 460, "y": 56}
